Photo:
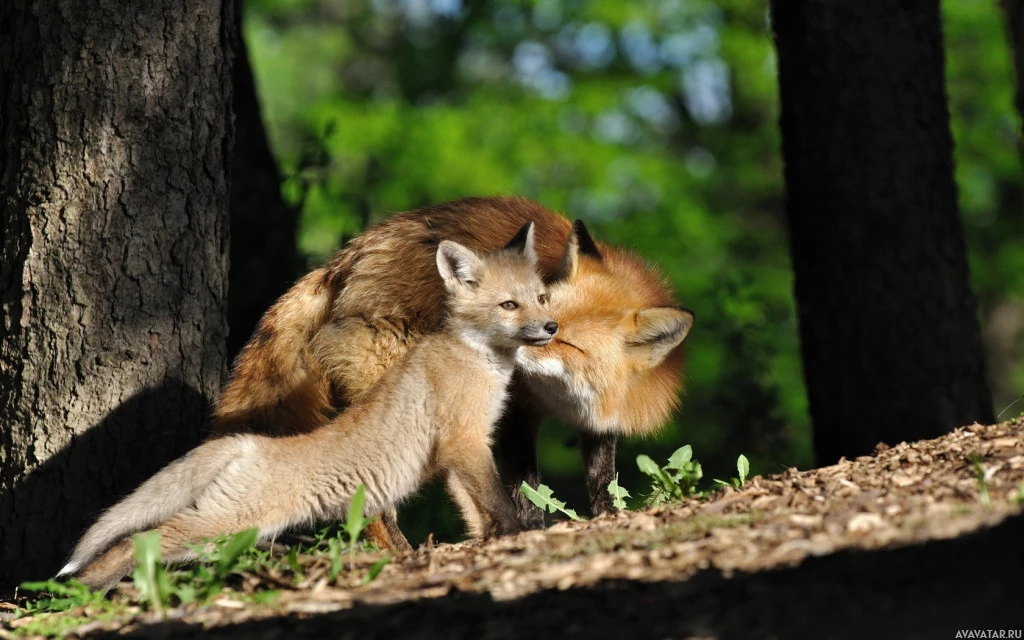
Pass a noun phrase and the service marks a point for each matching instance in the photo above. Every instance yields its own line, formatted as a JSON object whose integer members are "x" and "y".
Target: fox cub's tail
{"x": 171, "y": 490}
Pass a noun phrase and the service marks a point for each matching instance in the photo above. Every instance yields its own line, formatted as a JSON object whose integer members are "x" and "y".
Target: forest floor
{"x": 919, "y": 540}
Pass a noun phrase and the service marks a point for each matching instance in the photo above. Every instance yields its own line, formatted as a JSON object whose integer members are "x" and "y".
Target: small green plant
{"x": 742, "y": 468}
{"x": 293, "y": 563}
{"x": 979, "y": 474}
{"x": 222, "y": 557}
{"x": 219, "y": 557}
{"x": 63, "y": 596}
{"x": 335, "y": 550}
{"x": 335, "y": 541}
{"x": 742, "y": 471}
{"x": 356, "y": 521}
{"x": 375, "y": 569}
{"x": 1018, "y": 498}
{"x": 150, "y": 576}
{"x": 618, "y": 493}
{"x": 544, "y": 498}
{"x": 676, "y": 480}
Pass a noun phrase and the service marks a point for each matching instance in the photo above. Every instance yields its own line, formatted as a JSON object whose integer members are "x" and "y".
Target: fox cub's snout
{"x": 538, "y": 333}
{"x": 501, "y": 299}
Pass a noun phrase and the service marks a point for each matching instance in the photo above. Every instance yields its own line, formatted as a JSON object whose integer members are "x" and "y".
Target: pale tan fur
{"x": 432, "y": 413}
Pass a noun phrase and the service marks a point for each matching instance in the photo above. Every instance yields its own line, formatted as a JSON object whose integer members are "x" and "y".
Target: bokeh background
{"x": 656, "y": 122}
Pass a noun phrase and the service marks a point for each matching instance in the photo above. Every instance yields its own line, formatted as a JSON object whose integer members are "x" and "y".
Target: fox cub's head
{"x": 615, "y": 365}
{"x": 498, "y": 298}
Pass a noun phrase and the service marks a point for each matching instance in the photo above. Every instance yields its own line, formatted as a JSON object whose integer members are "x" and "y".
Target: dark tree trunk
{"x": 115, "y": 138}
{"x": 1015, "y": 26}
{"x": 264, "y": 257}
{"x": 889, "y": 333}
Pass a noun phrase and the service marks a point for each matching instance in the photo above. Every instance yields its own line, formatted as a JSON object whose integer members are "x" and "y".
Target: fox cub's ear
{"x": 457, "y": 265}
{"x": 580, "y": 244}
{"x": 659, "y": 330}
{"x": 523, "y": 242}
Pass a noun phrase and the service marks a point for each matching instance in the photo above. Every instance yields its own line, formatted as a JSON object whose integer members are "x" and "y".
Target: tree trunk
{"x": 1015, "y": 26}
{"x": 264, "y": 255}
{"x": 115, "y": 138}
{"x": 889, "y": 332}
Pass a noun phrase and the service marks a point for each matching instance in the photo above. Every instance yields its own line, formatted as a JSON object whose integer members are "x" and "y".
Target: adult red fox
{"x": 432, "y": 413}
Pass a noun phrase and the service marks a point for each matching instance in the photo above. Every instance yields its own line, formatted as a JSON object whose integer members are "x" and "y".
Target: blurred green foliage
{"x": 987, "y": 132}
{"x": 655, "y": 121}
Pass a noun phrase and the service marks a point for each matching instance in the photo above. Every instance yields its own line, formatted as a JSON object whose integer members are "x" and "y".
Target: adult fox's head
{"x": 498, "y": 299}
{"x": 614, "y": 365}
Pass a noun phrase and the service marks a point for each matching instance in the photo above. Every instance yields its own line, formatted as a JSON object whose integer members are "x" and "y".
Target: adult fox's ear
{"x": 458, "y": 265}
{"x": 658, "y": 331}
{"x": 580, "y": 244}
{"x": 523, "y": 242}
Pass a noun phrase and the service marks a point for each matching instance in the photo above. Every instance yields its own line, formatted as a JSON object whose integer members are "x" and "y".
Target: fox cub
{"x": 432, "y": 413}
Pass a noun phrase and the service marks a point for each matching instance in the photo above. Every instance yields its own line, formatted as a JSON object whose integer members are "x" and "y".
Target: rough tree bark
{"x": 1015, "y": 27}
{"x": 889, "y": 333}
{"x": 264, "y": 252}
{"x": 115, "y": 138}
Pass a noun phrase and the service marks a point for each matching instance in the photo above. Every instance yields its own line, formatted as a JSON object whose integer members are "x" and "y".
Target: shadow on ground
{"x": 46, "y": 512}
{"x": 930, "y": 590}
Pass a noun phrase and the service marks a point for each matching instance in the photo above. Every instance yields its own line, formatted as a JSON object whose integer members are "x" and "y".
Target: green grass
{"x": 61, "y": 596}
{"x": 62, "y": 606}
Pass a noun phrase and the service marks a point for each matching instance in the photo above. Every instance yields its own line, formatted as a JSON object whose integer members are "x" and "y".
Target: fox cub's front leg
{"x": 474, "y": 483}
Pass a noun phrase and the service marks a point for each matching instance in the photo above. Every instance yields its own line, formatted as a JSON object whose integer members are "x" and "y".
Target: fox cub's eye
{"x": 542, "y": 298}
{"x": 508, "y": 305}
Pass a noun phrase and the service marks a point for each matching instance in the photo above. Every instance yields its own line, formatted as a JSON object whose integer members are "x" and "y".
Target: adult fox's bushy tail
{"x": 171, "y": 490}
